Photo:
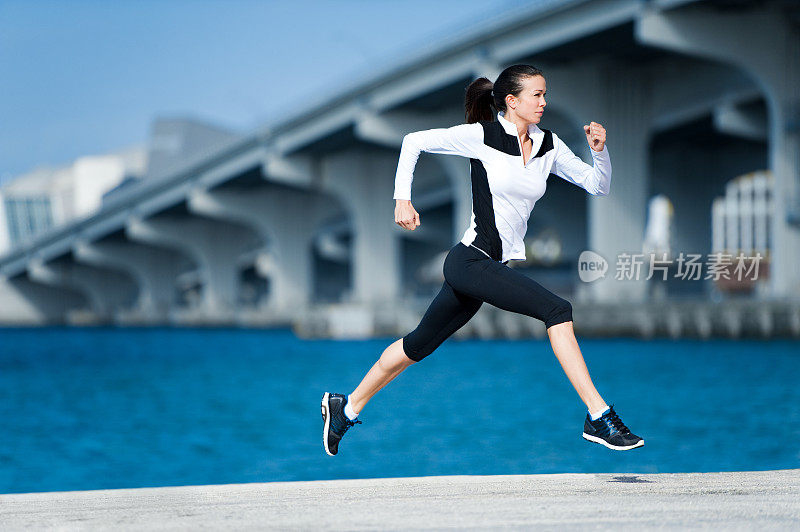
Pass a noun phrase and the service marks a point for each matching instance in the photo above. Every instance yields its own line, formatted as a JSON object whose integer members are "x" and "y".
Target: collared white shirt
{"x": 504, "y": 187}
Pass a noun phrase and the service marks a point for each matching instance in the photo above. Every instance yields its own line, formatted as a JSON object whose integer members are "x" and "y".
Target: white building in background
{"x": 741, "y": 219}
{"x": 658, "y": 231}
{"x": 47, "y": 197}
{"x": 33, "y": 203}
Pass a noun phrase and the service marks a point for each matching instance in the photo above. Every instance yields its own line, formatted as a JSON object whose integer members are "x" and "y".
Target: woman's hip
{"x": 462, "y": 262}
{"x": 472, "y": 273}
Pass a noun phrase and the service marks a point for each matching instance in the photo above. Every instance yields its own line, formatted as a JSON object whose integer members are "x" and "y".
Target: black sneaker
{"x": 336, "y": 423}
{"x": 609, "y": 430}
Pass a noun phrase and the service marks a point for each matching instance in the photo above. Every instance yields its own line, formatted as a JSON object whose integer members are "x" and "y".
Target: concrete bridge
{"x": 261, "y": 228}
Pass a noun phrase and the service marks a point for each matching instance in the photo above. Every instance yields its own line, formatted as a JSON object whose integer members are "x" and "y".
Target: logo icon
{"x": 591, "y": 266}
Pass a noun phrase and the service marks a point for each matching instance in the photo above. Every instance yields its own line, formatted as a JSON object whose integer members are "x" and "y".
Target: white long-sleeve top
{"x": 504, "y": 187}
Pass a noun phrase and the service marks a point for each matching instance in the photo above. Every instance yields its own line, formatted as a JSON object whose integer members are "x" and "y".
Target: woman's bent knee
{"x": 561, "y": 313}
{"x": 408, "y": 348}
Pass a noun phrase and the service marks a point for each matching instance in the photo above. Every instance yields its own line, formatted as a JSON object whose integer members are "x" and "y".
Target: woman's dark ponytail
{"x": 478, "y": 101}
{"x": 484, "y": 97}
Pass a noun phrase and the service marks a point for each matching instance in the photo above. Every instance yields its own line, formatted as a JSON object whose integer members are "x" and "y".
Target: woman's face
{"x": 529, "y": 104}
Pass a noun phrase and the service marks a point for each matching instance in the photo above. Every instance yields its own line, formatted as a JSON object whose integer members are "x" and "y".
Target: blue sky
{"x": 82, "y": 77}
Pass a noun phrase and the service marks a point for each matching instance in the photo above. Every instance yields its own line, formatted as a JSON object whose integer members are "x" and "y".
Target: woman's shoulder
{"x": 471, "y": 128}
{"x": 458, "y": 131}
{"x": 472, "y": 132}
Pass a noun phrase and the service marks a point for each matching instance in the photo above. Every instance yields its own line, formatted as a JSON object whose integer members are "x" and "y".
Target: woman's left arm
{"x": 595, "y": 179}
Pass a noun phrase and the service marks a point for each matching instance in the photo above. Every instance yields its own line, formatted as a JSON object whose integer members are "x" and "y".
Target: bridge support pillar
{"x": 31, "y": 303}
{"x": 216, "y": 248}
{"x": 284, "y": 218}
{"x": 106, "y": 291}
{"x": 364, "y": 182}
{"x": 153, "y": 269}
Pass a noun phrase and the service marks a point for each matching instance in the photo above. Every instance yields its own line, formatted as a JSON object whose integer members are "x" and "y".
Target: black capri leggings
{"x": 470, "y": 279}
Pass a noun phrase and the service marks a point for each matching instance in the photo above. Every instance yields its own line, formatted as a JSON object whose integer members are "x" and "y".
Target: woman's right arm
{"x": 465, "y": 140}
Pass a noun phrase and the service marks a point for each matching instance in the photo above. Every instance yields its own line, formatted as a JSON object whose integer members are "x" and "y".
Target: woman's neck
{"x": 522, "y": 125}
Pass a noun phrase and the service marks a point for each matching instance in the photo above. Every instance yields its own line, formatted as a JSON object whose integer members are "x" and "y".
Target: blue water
{"x": 118, "y": 408}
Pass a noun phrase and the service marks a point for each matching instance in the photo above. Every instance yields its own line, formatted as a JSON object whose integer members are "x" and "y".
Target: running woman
{"x": 510, "y": 159}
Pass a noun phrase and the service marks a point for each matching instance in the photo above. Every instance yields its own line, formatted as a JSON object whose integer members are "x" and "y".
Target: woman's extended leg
{"x": 565, "y": 346}
{"x": 510, "y": 290}
{"x": 507, "y": 289}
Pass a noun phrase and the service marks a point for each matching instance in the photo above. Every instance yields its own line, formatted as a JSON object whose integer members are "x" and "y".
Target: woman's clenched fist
{"x": 405, "y": 215}
{"x": 595, "y": 136}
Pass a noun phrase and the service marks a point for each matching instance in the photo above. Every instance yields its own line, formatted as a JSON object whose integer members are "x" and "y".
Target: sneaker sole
{"x": 601, "y": 441}
{"x": 327, "y": 420}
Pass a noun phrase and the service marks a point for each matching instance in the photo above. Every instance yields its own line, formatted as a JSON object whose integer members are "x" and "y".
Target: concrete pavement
{"x": 736, "y": 500}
